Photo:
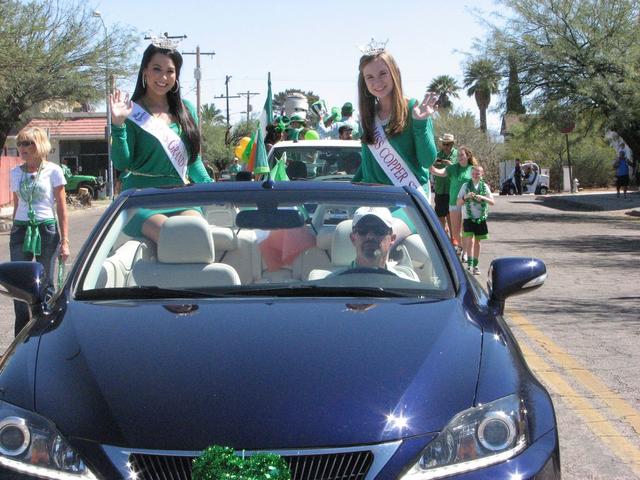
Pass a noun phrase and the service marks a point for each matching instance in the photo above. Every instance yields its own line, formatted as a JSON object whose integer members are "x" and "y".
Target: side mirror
{"x": 510, "y": 276}
{"x": 24, "y": 281}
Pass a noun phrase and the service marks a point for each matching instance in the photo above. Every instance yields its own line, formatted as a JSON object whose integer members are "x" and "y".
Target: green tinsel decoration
{"x": 220, "y": 463}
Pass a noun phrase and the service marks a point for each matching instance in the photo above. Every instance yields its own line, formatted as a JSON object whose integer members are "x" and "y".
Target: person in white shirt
{"x": 38, "y": 195}
{"x": 474, "y": 197}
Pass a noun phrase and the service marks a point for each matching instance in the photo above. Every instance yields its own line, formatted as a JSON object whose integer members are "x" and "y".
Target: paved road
{"x": 580, "y": 331}
{"x": 81, "y": 221}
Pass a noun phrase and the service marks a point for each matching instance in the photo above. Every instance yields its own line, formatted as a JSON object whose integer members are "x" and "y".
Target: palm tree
{"x": 446, "y": 87}
{"x": 481, "y": 78}
{"x": 212, "y": 115}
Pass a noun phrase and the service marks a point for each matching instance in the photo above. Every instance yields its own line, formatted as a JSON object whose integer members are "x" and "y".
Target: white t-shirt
{"x": 43, "y": 200}
{"x": 476, "y": 207}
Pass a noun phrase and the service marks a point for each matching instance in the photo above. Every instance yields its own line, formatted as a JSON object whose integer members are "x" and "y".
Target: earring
{"x": 144, "y": 82}
{"x": 176, "y": 87}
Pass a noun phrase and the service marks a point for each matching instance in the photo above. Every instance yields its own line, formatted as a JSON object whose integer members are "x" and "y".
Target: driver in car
{"x": 373, "y": 237}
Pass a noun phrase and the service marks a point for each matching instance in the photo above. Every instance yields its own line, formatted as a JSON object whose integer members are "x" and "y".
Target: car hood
{"x": 255, "y": 374}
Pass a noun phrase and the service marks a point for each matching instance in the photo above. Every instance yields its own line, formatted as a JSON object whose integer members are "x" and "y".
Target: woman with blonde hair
{"x": 458, "y": 174}
{"x": 38, "y": 197}
{"x": 398, "y": 145}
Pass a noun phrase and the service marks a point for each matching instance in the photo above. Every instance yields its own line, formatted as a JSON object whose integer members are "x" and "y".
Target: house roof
{"x": 73, "y": 126}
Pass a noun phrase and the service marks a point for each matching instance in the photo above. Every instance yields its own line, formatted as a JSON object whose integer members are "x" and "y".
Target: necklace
{"x": 481, "y": 190}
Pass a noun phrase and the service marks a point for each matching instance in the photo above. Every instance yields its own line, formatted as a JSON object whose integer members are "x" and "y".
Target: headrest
{"x": 224, "y": 239}
{"x": 324, "y": 237}
{"x": 342, "y": 250}
{"x": 185, "y": 239}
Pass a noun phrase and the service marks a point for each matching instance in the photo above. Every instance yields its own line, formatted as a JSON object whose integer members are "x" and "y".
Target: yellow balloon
{"x": 244, "y": 141}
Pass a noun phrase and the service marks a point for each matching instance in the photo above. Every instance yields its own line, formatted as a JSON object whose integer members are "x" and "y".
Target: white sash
{"x": 392, "y": 163}
{"x": 171, "y": 142}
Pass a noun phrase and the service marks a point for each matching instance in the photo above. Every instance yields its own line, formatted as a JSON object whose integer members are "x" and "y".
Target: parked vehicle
{"x": 333, "y": 160}
{"x": 152, "y": 352}
{"x": 533, "y": 181}
{"x": 74, "y": 182}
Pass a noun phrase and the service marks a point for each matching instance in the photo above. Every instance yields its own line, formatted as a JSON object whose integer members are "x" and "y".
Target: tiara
{"x": 373, "y": 47}
{"x": 164, "y": 42}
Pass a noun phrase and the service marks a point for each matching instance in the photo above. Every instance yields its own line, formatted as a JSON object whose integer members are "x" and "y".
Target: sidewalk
{"x": 591, "y": 200}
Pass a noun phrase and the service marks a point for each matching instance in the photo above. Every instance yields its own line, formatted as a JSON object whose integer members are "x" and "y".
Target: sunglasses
{"x": 26, "y": 143}
{"x": 377, "y": 230}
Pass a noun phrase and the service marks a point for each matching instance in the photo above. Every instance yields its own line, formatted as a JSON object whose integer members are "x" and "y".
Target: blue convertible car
{"x": 328, "y": 323}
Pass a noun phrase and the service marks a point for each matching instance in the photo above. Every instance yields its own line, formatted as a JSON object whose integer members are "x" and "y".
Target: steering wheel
{"x": 382, "y": 271}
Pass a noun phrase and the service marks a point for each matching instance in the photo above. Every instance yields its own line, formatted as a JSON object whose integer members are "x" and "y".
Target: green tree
{"x": 55, "y": 51}
{"x": 513, "y": 94}
{"x": 580, "y": 55}
{"x": 481, "y": 78}
{"x": 446, "y": 88}
{"x": 212, "y": 115}
{"x": 539, "y": 141}
{"x": 486, "y": 149}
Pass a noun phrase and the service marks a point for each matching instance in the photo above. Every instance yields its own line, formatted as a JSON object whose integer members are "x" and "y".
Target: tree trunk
{"x": 482, "y": 100}
{"x": 483, "y": 119}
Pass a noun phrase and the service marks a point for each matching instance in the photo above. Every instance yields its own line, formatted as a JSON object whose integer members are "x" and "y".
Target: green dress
{"x": 144, "y": 164}
{"x": 415, "y": 144}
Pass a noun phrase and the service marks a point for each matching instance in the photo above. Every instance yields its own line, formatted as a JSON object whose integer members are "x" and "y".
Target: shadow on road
{"x": 553, "y": 217}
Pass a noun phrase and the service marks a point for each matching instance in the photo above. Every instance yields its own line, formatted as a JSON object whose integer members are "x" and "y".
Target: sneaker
{"x": 475, "y": 270}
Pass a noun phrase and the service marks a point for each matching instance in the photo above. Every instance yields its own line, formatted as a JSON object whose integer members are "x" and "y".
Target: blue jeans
{"x": 50, "y": 239}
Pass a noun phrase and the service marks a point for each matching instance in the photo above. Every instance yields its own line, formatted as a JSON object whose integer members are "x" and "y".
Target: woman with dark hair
{"x": 155, "y": 138}
{"x": 398, "y": 145}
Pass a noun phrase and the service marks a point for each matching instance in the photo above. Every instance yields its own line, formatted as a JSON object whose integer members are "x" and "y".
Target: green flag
{"x": 279, "y": 170}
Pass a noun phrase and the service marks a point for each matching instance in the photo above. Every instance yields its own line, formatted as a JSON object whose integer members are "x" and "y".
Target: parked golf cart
{"x": 532, "y": 181}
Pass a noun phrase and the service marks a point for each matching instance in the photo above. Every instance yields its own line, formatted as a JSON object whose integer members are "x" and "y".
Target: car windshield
{"x": 265, "y": 243}
{"x": 317, "y": 162}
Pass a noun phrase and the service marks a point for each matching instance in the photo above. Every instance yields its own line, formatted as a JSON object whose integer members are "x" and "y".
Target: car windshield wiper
{"x": 143, "y": 292}
{"x": 319, "y": 291}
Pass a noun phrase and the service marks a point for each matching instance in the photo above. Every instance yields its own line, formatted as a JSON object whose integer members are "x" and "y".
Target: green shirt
{"x": 416, "y": 146}
{"x": 137, "y": 151}
{"x": 441, "y": 184}
{"x": 458, "y": 176}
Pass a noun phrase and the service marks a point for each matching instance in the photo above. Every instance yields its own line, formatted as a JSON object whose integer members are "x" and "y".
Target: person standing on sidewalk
{"x": 447, "y": 155}
{"x": 517, "y": 177}
{"x": 458, "y": 174}
{"x": 621, "y": 165}
{"x": 38, "y": 195}
{"x": 474, "y": 197}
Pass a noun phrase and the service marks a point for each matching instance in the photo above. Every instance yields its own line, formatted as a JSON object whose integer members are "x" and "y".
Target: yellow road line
{"x": 619, "y": 406}
{"x": 621, "y": 447}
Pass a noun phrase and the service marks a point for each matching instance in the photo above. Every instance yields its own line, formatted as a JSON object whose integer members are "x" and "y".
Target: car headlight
{"x": 473, "y": 439}
{"x": 31, "y": 444}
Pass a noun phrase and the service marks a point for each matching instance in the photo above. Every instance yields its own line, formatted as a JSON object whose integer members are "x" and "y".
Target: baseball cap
{"x": 347, "y": 108}
{"x": 381, "y": 213}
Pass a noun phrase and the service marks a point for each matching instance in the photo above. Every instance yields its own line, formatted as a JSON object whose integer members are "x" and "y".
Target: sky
{"x": 310, "y": 45}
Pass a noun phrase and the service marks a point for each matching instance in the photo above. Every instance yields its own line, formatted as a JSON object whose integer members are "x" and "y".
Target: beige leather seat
{"x": 186, "y": 258}
{"x": 342, "y": 251}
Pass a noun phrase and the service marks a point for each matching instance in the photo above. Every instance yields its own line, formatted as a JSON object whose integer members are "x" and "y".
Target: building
{"x": 77, "y": 139}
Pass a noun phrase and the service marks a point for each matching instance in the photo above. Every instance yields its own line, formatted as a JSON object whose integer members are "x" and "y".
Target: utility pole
{"x": 248, "y": 94}
{"x": 227, "y": 97}
{"x": 197, "y": 74}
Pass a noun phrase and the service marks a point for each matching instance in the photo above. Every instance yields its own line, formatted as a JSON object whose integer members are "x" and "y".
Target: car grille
{"x": 333, "y": 466}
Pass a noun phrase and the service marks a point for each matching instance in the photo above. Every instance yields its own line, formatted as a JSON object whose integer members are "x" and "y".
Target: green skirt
{"x": 133, "y": 228}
